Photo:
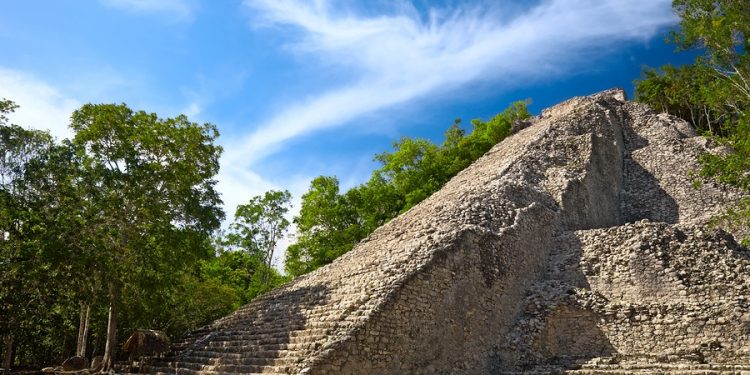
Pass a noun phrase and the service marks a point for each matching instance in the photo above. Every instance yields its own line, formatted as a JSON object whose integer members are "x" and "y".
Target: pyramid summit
{"x": 579, "y": 244}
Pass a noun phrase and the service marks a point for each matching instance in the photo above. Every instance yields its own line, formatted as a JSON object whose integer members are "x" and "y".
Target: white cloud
{"x": 180, "y": 9}
{"x": 401, "y": 56}
{"x": 192, "y": 111}
{"x": 41, "y": 106}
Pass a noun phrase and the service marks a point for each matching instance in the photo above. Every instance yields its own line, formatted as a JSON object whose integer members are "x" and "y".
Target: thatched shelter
{"x": 146, "y": 343}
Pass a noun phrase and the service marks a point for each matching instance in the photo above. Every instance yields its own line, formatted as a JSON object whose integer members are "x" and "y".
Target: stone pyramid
{"x": 577, "y": 245}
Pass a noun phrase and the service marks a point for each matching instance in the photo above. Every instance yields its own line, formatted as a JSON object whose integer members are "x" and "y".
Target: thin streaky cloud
{"x": 402, "y": 56}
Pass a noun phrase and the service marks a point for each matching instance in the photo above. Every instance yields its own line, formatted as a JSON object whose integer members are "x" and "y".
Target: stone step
{"x": 207, "y": 372}
{"x": 291, "y": 337}
{"x": 280, "y": 313}
{"x": 247, "y": 370}
{"x": 280, "y": 330}
{"x": 256, "y": 359}
{"x": 199, "y": 368}
{"x": 297, "y": 339}
{"x": 267, "y": 329}
{"x": 269, "y": 346}
{"x": 298, "y": 343}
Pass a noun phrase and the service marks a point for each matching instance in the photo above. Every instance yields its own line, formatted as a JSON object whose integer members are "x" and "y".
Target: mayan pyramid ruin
{"x": 577, "y": 245}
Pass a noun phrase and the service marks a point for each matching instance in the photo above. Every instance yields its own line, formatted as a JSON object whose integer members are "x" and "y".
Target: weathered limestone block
{"x": 522, "y": 261}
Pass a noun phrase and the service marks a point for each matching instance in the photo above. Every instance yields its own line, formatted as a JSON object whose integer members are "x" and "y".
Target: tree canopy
{"x": 117, "y": 229}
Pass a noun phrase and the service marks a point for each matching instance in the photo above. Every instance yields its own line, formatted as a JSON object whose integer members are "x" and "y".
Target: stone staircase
{"x": 273, "y": 343}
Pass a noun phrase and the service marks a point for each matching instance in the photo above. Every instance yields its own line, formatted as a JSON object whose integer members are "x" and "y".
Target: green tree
{"x": 235, "y": 269}
{"x": 44, "y": 267}
{"x": 259, "y": 225}
{"x": 721, "y": 28}
{"x": 57, "y": 247}
{"x": 242, "y": 272}
{"x": 693, "y": 92}
{"x": 151, "y": 181}
{"x": 21, "y": 287}
{"x": 325, "y": 227}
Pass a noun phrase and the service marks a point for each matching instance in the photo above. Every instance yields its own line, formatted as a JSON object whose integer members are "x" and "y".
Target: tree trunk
{"x": 79, "y": 339}
{"x": 267, "y": 271}
{"x": 109, "y": 347}
{"x": 8, "y": 354}
{"x": 86, "y": 330}
{"x": 13, "y": 352}
{"x": 83, "y": 329}
{"x": 268, "y": 261}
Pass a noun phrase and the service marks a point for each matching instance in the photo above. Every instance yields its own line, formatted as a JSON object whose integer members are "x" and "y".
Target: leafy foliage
{"x": 34, "y": 234}
{"x": 151, "y": 183}
{"x": 691, "y": 92}
{"x": 259, "y": 225}
{"x": 327, "y": 226}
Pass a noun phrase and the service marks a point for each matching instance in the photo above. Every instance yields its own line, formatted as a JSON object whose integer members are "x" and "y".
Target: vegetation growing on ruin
{"x": 713, "y": 93}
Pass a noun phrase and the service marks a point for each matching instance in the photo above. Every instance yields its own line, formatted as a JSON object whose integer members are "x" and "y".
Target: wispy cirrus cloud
{"x": 180, "y": 9}
{"x": 402, "y": 56}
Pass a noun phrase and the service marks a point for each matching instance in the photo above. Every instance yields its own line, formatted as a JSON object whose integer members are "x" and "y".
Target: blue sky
{"x": 306, "y": 88}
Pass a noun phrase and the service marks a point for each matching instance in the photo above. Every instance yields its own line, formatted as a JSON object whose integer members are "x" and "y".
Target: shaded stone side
{"x": 671, "y": 290}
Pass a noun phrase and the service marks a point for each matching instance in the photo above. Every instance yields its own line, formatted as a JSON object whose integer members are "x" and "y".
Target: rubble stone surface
{"x": 578, "y": 245}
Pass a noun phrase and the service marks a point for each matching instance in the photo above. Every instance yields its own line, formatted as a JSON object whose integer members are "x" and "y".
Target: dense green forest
{"x": 118, "y": 228}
